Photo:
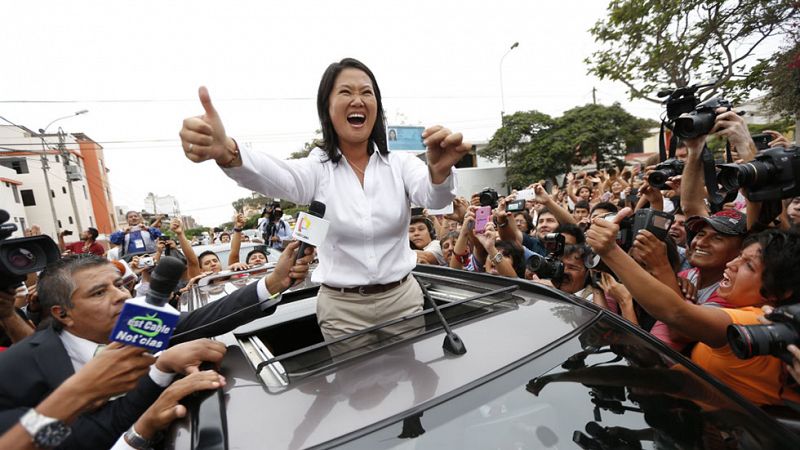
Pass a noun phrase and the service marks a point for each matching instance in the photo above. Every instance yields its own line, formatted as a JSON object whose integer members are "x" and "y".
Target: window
{"x": 57, "y": 160}
{"x": 20, "y": 165}
{"x": 27, "y": 197}
{"x": 52, "y": 193}
{"x": 91, "y": 221}
{"x": 16, "y": 193}
{"x": 22, "y": 225}
{"x": 63, "y": 190}
{"x": 59, "y": 224}
{"x": 71, "y": 221}
{"x": 85, "y": 195}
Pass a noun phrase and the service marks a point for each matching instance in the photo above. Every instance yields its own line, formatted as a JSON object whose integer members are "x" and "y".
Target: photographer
{"x": 87, "y": 243}
{"x": 764, "y": 273}
{"x": 136, "y": 237}
{"x": 575, "y": 277}
{"x": 275, "y": 230}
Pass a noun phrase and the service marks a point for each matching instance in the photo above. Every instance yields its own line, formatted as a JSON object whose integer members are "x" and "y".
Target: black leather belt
{"x": 370, "y": 288}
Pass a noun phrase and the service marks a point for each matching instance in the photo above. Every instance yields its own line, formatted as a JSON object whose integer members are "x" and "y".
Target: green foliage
{"x": 308, "y": 146}
{"x": 256, "y": 201}
{"x": 782, "y": 82}
{"x": 192, "y": 232}
{"x": 653, "y": 44}
{"x": 541, "y": 147}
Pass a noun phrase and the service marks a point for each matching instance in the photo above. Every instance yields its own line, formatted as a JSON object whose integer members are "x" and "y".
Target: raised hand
{"x": 602, "y": 235}
{"x": 203, "y": 137}
{"x": 445, "y": 149}
{"x": 176, "y": 226}
{"x": 239, "y": 221}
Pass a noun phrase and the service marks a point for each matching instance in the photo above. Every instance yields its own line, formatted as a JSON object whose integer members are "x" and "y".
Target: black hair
{"x": 608, "y": 206}
{"x": 581, "y": 204}
{"x": 780, "y": 257}
{"x": 330, "y": 140}
{"x": 93, "y": 232}
{"x": 528, "y": 219}
{"x": 516, "y": 253}
{"x": 572, "y": 230}
{"x": 56, "y": 283}
{"x": 253, "y": 252}
{"x": 581, "y": 249}
{"x": 449, "y": 235}
{"x": 428, "y": 223}
{"x": 203, "y": 255}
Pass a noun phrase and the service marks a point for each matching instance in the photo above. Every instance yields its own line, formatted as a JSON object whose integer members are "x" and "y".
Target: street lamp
{"x": 65, "y": 156}
{"x": 503, "y": 109}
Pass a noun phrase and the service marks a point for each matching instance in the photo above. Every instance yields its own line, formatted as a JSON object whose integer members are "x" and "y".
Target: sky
{"x": 136, "y": 67}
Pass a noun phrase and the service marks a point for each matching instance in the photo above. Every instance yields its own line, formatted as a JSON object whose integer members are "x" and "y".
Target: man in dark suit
{"x": 84, "y": 297}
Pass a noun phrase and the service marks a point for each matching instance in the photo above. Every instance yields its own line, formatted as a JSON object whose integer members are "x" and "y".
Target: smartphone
{"x": 526, "y": 194}
{"x": 417, "y": 211}
{"x": 606, "y": 196}
{"x": 482, "y": 217}
{"x": 515, "y": 206}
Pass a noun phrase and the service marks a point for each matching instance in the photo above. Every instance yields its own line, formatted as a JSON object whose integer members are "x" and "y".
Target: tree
{"x": 308, "y": 146}
{"x": 653, "y": 44}
{"x": 539, "y": 146}
{"x": 782, "y": 83}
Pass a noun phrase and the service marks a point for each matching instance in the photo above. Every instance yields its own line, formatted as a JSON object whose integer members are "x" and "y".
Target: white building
{"x": 158, "y": 204}
{"x": 24, "y": 153}
{"x": 11, "y": 201}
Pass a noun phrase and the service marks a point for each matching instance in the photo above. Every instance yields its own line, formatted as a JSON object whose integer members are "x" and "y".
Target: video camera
{"x": 21, "y": 256}
{"x": 771, "y": 176}
{"x": 549, "y": 267}
{"x": 488, "y": 197}
{"x": 687, "y": 117}
{"x": 748, "y": 341}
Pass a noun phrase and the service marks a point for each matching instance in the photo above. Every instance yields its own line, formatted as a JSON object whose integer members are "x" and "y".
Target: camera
{"x": 748, "y": 341}
{"x": 663, "y": 172}
{"x": 701, "y": 120}
{"x": 652, "y": 220}
{"x": 21, "y": 256}
{"x": 66, "y": 233}
{"x": 515, "y": 206}
{"x": 146, "y": 261}
{"x": 771, "y": 176}
{"x": 551, "y": 266}
{"x": 488, "y": 197}
{"x": 761, "y": 140}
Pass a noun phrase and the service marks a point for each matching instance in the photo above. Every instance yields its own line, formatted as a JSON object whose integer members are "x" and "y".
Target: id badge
{"x": 138, "y": 243}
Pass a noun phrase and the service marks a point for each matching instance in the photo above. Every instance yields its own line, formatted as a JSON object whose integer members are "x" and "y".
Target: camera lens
{"x": 21, "y": 258}
{"x": 748, "y": 341}
{"x": 694, "y": 124}
{"x": 658, "y": 179}
{"x": 748, "y": 175}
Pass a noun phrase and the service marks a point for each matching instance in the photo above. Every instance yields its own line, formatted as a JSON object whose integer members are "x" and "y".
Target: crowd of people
{"x": 704, "y": 271}
{"x": 695, "y": 268}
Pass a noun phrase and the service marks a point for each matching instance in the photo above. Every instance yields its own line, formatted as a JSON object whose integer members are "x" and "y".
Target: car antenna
{"x": 452, "y": 343}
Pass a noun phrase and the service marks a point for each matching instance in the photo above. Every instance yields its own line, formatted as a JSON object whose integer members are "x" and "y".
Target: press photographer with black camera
{"x": 764, "y": 273}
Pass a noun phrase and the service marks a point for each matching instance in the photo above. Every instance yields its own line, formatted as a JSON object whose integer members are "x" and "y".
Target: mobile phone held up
{"x": 482, "y": 217}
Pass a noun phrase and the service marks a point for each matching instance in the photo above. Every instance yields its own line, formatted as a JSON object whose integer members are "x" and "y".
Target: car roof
{"x": 348, "y": 400}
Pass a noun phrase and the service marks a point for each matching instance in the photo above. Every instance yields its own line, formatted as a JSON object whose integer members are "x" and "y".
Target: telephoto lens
{"x": 748, "y": 341}
{"x": 546, "y": 268}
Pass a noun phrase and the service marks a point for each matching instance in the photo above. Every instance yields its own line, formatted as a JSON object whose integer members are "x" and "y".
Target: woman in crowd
{"x": 366, "y": 189}
{"x": 765, "y": 273}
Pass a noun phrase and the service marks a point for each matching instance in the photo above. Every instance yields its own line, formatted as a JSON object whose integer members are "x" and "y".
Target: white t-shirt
{"x": 436, "y": 248}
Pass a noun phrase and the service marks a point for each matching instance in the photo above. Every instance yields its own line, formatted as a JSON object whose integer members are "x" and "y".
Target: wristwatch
{"x": 497, "y": 258}
{"x": 45, "y": 431}
{"x": 136, "y": 440}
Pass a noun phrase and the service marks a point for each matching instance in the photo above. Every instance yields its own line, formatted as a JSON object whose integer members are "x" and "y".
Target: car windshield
{"x": 603, "y": 389}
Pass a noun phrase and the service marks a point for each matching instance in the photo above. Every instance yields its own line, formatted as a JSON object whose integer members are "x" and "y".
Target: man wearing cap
{"x": 716, "y": 241}
{"x": 87, "y": 243}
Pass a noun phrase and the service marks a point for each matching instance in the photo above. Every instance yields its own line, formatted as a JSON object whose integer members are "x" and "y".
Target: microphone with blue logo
{"x": 148, "y": 321}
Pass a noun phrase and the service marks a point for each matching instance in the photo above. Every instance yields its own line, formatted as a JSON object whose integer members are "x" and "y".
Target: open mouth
{"x": 726, "y": 281}
{"x": 698, "y": 252}
{"x": 356, "y": 119}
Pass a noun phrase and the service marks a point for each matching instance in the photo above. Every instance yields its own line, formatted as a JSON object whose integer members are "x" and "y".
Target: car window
{"x": 604, "y": 389}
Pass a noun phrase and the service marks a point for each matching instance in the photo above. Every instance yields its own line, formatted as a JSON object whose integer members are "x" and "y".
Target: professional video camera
{"x": 663, "y": 172}
{"x": 551, "y": 266}
{"x": 748, "y": 341}
{"x": 21, "y": 256}
{"x": 488, "y": 197}
{"x": 771, "y": 176}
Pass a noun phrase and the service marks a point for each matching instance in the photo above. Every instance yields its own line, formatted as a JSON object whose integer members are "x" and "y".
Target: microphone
{"x": 310, "y": 228}
{"x": 148, "y": 321}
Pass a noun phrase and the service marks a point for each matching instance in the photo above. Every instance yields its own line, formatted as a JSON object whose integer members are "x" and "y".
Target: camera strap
{"x": 715, "y": 199}
{"x": 662, "y": 146}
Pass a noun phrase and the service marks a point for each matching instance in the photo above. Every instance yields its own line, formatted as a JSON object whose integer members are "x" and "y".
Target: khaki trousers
{"x": 340, "y": 313}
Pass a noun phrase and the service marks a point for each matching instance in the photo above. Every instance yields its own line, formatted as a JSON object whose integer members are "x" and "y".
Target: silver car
{"x": 542, "y": 370}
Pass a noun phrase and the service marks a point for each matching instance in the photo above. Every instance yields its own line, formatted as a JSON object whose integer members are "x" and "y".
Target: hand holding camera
{"x": 602, "y": 235}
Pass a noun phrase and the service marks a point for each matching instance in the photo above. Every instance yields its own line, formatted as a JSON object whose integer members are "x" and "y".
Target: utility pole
{"x": 71, "y": 171}
{"x": 594, "y": 96}
{"x": 45, "y": 168}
